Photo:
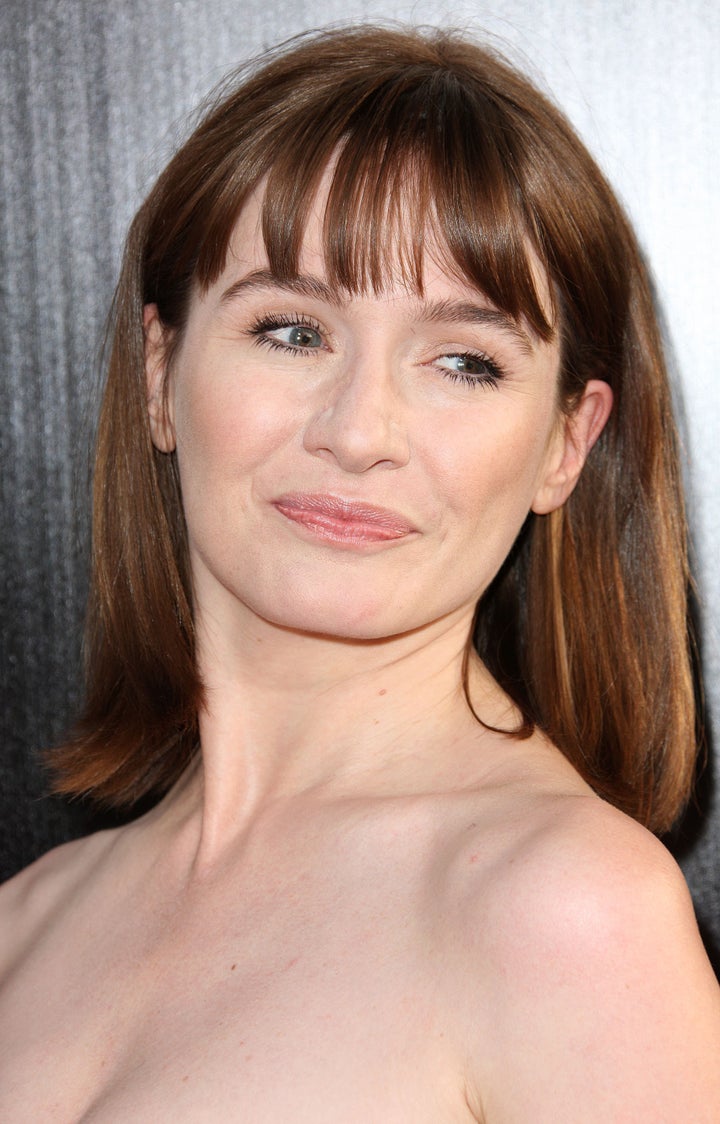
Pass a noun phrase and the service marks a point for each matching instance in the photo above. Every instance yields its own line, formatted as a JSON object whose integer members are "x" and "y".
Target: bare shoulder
{"x": 32, "y": 898}
{"x": 594, "y": 998}
{"x": 580, "y": 866}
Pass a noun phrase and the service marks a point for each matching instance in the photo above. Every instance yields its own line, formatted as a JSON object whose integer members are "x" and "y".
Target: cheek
{"x": 489, "y": 474}
{"x": 225, "y": 428}
{"x": 492, "y": 468}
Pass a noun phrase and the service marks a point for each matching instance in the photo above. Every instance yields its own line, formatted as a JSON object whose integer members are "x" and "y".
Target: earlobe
{"x": 571, "y": 444}
{"x": 158, "y": 404}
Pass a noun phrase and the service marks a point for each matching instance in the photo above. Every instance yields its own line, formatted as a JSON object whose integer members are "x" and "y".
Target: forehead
{"x": 439, "y": 289}
{"x": 249, "y": 261}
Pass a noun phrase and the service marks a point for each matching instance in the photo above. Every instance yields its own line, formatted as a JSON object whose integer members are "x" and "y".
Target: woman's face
{"x": 356, "y": 466}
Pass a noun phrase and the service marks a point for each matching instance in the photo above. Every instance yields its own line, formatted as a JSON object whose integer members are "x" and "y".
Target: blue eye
{"x": 299, "y": 335}
{"x": 288, "y": 333}
{"x": 470, "y": 368}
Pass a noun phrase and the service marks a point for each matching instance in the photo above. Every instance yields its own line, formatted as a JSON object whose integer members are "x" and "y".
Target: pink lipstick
{"x": 343, "y": 521}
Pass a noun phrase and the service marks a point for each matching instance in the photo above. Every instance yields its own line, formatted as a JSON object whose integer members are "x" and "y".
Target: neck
{"x": 289, "y": 713}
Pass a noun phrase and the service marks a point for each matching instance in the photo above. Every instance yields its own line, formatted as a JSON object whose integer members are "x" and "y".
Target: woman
{"x": 385, "y": 378}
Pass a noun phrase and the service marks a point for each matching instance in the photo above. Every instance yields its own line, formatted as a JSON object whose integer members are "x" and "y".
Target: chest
{"x": 304, "y": 1001}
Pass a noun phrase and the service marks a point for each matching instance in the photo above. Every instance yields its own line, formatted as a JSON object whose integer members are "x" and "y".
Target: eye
{"x": 471, "y": 368}
{"x": 298, "y": 334}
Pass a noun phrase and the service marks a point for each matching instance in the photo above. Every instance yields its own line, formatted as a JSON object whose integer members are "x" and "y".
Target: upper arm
{"x": 597, "y": 1002}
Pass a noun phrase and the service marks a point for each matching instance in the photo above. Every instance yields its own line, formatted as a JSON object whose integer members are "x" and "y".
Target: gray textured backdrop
{"x": 94, "y": 95}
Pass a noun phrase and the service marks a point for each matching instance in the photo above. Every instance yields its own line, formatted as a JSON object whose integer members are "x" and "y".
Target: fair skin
{"x": 360, "y": 904}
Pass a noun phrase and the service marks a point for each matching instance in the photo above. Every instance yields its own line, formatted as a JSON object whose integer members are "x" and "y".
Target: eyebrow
{"x": 303, "y": 285}
{"x": 437, "y": 311}
{"x": 467, "y": 312}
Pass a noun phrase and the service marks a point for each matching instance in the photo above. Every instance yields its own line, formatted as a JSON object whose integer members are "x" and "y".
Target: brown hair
{"x": 585, "y": 626}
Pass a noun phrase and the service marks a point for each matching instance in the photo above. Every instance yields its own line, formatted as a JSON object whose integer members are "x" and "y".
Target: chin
{"x": 340, "y": 625}
{"x": 340, "y": 617}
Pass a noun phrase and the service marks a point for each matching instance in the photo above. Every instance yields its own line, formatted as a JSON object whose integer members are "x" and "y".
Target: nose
{"x": 361, "y": 424}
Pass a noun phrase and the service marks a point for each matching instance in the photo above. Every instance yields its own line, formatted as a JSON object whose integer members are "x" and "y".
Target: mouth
{"x": 343, "y": 521}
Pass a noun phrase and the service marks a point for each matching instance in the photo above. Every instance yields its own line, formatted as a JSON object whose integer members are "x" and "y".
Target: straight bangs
{"x": 420, "y": 165}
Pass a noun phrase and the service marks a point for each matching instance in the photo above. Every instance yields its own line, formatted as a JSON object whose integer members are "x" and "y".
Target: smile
{"x": 342, "y": 521}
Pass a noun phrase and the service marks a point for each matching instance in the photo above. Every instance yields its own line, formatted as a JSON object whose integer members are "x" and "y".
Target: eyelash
{"x": 491, "y": 379}
{"x": 262, "y": 327}
{"x": 266, "y": 324}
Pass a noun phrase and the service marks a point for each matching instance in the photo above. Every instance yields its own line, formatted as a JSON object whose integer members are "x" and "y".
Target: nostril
{"x": 359, "y": 431}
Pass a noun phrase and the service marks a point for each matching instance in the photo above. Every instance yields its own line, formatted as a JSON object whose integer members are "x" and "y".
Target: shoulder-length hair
{"x": 585, "y": 626}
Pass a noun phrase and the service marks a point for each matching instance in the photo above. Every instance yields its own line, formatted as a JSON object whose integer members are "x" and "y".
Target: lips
{"x": 343, "y": 521}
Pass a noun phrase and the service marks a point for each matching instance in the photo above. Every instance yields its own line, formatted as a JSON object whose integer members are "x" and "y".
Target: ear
{"x": 158, "y": 400}
{"x": 570, "y": 444}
